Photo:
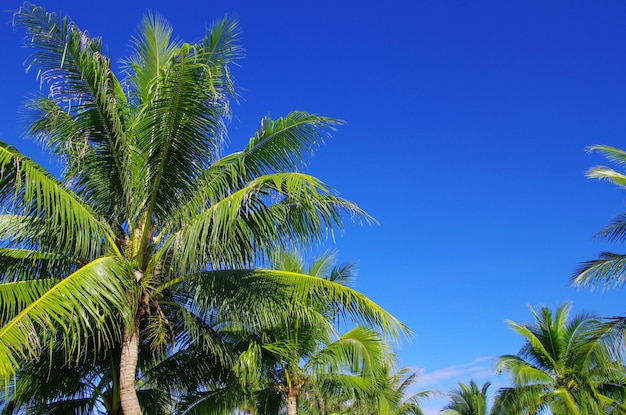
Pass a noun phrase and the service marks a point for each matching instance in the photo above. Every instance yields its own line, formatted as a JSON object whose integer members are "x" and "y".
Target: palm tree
{"x": 564, "y": 366}
{"x": 390, "y": 394}
{"x": 609, "y": 269}
{"x": 468, "y": 400}
{"x": 150, "y": 219}
{"x": 305, "y": 349}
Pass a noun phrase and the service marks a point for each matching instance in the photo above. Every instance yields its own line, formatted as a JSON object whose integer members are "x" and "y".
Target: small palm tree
{"x": 468, "y": 400}
{"x": 305, "y": 349}
{"x": 564, "y": 367}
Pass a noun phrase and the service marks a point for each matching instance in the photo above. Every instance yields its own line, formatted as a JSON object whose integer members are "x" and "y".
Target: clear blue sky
{"x": 466, "y": 127}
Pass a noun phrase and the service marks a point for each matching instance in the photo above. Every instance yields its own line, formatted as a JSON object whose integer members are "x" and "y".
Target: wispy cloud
{"x": 445, "y": 379}
{"x": 477, "y": 369}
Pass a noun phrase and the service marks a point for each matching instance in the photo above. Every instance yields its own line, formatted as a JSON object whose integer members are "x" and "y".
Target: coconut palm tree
{"x": 468, "y": 400}
{"x": 390, "y": 394}
{"x": 609, "y": 269}
{"x": 564, "y": 367}
{"x": 350, "y": 362}
{"x": 305, "y": 349}
{"x": 149, "y": 216}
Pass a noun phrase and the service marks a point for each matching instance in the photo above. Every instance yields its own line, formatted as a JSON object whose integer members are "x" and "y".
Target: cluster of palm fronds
{"x": 144, "y": 280}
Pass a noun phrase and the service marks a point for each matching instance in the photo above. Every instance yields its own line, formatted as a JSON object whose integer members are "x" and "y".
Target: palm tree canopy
{"x": 468, "y": 400}
{"x": 564, "y": 365}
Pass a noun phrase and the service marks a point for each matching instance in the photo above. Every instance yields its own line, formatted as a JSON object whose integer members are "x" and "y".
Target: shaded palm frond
{"x": 606, "y": 271}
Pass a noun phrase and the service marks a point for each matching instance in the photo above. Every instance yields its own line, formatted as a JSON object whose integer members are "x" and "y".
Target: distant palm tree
{"x": 391, "y": 395}
{"x": 564, "y": 367}
{"x": 468, "y": 400}
{"x": 304, "y": 350}
{"x": 152, "y": 229}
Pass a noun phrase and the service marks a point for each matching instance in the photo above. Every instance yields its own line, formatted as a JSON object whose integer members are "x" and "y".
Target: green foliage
{"x": 565, "y": 366}
{"x": 153, "y": 232}
{"x": 468, "y": 400}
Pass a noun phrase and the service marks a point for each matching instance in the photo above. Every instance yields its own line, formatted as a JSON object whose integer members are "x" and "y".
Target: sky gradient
{"x": 465, "y": 136}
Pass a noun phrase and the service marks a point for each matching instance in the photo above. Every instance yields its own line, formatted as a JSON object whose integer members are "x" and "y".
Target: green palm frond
{"x": 520, "y": 371}
{"x": 615, "y": 231}
{"x": 520, "y": 400}
{"x": 360, "y": 349}
{"x": 608, "y": 174}
{"x": 153, "y": 49}
{"x": 615, "y": 155}
{"x": 566, "y": 364}
{"x": 283, "y": 144}
{"x": 52, "y": 215}
{"x": 217, "y": 401}
{"x": 155, "y": 401}
{"x": 202, "y": 367}
{"x": 22, "y": 264}
{"x": 180, "y": 126}
{"x": 468, "y": 400}
{"x": 606, "y": 271}
{"x": 51, "y": 382}
{"x": 73, "y": 308}
{"x": 15, "y": 296}
{"x": 350, "y": 303}
{"x": 83, "y": 86}
{"x": 219, "y": 49}
{"x": 244, "y": 222}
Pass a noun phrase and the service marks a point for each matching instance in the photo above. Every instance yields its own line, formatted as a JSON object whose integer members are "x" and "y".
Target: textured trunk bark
{"x": 128, "y": 370}
{"x": 292, "y": 401}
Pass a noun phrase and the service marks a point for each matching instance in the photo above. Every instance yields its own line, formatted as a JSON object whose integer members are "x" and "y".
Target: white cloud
{"x": 444, "y": 380}
{"x": 477, "y": 369}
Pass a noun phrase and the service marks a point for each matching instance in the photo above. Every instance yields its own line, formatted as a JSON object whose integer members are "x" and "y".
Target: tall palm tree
{"x": 564, "y": 366}
{"x": 468, "y": 400}
{"x": 149, "y": 215}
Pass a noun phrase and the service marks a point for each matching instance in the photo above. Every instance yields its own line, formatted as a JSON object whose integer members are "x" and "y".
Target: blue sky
{"x": 465, "y": 136}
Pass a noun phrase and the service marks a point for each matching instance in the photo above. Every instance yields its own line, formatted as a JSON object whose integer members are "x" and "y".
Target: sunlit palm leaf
{"x": 281, "y": 145}
{"x": 74, "y": 308}
{"x": 244, "y": 222}
{"x": 53, "y": 216}
{"x": 361, "y": 350}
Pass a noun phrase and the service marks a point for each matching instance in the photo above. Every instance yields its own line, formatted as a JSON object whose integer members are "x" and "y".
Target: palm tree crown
{"x": 563, "y": 366}
{"x": 468, "y": 400}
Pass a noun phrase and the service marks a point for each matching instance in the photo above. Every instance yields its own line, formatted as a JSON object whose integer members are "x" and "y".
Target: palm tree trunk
{"x": 128, "y": 370}
{"x": 292, "y": 401}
